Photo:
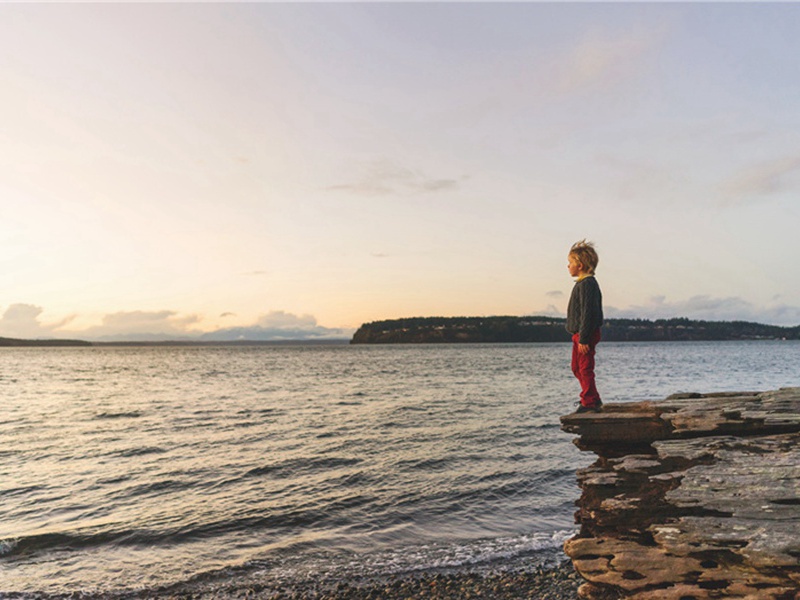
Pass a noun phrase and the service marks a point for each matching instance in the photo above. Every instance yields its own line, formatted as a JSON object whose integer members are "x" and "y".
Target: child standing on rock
{"x": 584, "y": 319}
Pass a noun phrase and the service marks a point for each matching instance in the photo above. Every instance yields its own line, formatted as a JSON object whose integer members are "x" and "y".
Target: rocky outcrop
{"x": 692, "y": 497}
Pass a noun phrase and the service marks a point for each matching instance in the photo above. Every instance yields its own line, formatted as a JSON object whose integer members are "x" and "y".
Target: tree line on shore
{"x": 423, "y": 330}
{"x": 15, "y": 342}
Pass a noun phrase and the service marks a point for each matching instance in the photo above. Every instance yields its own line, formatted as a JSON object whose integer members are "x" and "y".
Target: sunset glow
{"x": 168, "y": 170}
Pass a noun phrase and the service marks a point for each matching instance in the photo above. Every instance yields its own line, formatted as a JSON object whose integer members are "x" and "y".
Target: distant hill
{"x": 16, "y": 342}
{"x": 429, "y": 330}
{"x": 9, "y": 342}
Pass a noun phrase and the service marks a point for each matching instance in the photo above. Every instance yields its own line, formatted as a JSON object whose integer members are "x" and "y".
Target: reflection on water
{"x": 127, "y": 467}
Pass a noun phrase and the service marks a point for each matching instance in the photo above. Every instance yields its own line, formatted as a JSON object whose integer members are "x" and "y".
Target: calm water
{"x": 130, "y": 468}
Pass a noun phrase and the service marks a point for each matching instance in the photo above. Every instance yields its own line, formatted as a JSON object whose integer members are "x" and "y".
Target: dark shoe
{"x": 596, "y": 408}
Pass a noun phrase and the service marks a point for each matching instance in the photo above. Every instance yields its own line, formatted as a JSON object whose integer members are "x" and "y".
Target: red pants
{"x": 583, "y": 368}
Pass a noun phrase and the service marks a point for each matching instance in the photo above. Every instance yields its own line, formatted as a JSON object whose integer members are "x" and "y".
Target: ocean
{"x": 132, "y": 468}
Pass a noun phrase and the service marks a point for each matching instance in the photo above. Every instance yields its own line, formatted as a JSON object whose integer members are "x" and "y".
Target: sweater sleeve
{"x": 591, "y": 309}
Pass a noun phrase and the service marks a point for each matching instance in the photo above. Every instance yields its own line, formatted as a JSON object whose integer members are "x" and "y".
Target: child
{"x": 584, "y": 318}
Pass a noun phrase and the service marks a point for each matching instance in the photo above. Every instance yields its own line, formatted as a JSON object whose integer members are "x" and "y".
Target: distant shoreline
{"x": 481, "y": 330}
{"x": 331, "y": 342}
{"x": 20, "y": 343}
{"x": 57, "y": 343}
{"x": 532, "y": 329}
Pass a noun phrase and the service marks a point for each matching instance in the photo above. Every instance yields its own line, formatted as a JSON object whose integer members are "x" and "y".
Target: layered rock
{"x": 692, "y": 497}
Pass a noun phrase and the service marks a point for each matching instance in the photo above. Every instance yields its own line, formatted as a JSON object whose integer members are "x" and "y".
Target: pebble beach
{"x": 558, "y": 583}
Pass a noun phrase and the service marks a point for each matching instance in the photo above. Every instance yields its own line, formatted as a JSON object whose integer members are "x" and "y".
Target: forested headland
{"x": 6, "y": 342}
{"x": 425, "y": 330}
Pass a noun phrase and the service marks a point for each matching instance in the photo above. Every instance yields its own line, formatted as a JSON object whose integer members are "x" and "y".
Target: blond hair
{"x": 585, "y": 254}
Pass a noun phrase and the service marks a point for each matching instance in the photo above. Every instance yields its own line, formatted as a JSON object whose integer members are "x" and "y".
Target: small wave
{"x": 34, "y": 544}
{"x": 208, "y": 411}
{"x": 20, "y": 491}
{"x": 292, "y": 467}
{"x": 7, "y": 546}
{"x": 539, "y": 426}
{"x": 158, "y": 487}
{"x": 111, "y": 480}
{"x": 138, "y": 451}
{"x": 213, "y": 374}
{"x": 500, "y": 476}
{"x": 512, "y": 483}
{"x": 490, "y": 551}
{"x": 411, "y": 409}
{"x": 518, "y": 553}
{"x": 119, "y": 415}
{"x": 555, "y": 475}
{"x": 259, "y": 411}
{"x": 428, "y": 464}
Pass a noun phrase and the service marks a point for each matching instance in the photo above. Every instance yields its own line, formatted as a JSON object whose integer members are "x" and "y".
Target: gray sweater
{"x": 585, "y": 309}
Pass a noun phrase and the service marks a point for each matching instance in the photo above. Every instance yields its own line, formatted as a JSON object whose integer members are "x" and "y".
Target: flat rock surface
{"x": 702, "y": 500}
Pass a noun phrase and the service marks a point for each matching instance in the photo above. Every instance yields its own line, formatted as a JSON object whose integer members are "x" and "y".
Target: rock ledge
{"x": 692, "y": 497}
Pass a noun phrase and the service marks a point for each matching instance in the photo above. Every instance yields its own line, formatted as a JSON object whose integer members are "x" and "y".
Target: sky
{"x": 279, "y": 170}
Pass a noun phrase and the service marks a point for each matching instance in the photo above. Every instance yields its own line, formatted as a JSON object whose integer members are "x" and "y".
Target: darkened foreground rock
{"x": 693, "y": 497}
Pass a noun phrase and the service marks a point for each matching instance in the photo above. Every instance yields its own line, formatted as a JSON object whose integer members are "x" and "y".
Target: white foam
{"x": 7, "y": 546}
{"x": 480, "y": 552}
{"x": 527, "y": 551}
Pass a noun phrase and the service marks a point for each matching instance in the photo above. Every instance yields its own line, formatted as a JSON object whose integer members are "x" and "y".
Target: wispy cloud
{"x": 637, "y": 178}
{"x": 279, "y": 325}
{"x": 763, "y": 179}
{"x": 551, "y": 311}
{"x": 384, "y": 177}
{"x": 143, "y": 326}
{"x": 732, "y": 308}
{"x": 601, "y": 58}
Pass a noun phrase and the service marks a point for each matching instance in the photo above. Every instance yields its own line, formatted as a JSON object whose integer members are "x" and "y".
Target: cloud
{"x": 633, "y": 179}
{"x": 555, "y": 294}
{"x": 143, "y": 326}
{"x": 550, "y": 311}
{"x": 276, "y": 326}
{"x": 601, "y": 58}
{"x": 385, "y": 178}
{"x": 22, "y": 321}
{"x": 169, "y": 325}
{"x": 709, "y": 308}
{"x": 762, "y": 179}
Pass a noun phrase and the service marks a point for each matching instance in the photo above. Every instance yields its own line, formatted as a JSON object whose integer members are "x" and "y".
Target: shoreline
{"x": 559, "y": 582}
{"x": 555, "y": 582}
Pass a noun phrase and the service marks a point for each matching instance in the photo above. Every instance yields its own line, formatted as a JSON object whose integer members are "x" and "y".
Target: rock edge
{"x": 692, "y": 497}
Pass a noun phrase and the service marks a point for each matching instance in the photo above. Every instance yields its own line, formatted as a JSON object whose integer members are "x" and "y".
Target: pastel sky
{"x": 295, "y": 170}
